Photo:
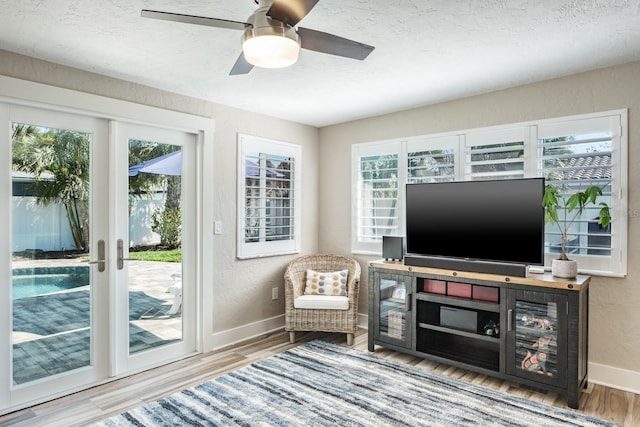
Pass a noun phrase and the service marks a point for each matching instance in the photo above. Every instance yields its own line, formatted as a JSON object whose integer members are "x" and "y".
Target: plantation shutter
{"x": 377, "y": 199}
{"x": 269, "y": 197}
{"x": 432, "y": 159}
{"x": 572, "y": 156}
{"x": 570, "y": 151}
{"x": 495, "y": 155}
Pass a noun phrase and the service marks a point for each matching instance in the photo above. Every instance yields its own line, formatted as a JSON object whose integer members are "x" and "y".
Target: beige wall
{"x": 614, "y": 322}
{"x": 241, "y": 289}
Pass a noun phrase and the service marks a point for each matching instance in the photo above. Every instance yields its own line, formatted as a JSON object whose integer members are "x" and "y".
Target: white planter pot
{"x": 566, "y": 269}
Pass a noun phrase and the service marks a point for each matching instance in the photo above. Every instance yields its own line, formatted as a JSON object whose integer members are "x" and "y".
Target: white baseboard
{"x": 245, "y": 332}
{"x": 363, "y": 321}
{"x": 252, "y": 330}
{"x": 613, "y": 377}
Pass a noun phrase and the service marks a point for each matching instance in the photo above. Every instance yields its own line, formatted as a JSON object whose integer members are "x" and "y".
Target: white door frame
{"x": 21, "y": 92}
{"x": 98, "y": 369}
{"x": 122, "y": 361}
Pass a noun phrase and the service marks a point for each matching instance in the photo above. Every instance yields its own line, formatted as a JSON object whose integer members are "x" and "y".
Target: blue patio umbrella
{"x": 168, "y": 164}
{"x": 171, "y": 164}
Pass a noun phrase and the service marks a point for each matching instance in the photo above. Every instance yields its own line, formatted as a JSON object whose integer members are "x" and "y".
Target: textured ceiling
{"x": 427, "y": 51}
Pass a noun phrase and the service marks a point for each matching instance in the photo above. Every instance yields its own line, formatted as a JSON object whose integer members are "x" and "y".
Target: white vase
{"x": 566, "y": 269}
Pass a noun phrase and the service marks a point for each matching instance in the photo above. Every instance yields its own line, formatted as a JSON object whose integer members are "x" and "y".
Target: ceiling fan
{"x": 270, "y": 39}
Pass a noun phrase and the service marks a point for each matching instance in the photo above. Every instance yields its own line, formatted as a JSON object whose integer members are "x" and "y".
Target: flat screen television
{"x": 494, "y": 226}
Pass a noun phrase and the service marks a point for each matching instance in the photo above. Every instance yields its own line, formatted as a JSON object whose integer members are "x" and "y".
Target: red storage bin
{"x": 462, "y": 290}
{"x": 435, "y": 286}
{"x": 486, "y": 293}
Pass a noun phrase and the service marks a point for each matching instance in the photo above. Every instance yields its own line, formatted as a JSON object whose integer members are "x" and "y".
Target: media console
{"x": 531, "y": 330}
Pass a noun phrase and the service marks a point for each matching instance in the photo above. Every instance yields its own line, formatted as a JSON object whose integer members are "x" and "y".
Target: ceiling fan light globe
{"x": 271, "y": 51}
{"x": 271, "y": 47}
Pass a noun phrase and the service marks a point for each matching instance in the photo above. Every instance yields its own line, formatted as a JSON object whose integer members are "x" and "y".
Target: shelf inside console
{"x": 464, "y": 349}
{"x": 459, "y": 290}
{"x": 475, "y": 321}
{"x": 460, "y": 332}
{"x": 460, "y": 302}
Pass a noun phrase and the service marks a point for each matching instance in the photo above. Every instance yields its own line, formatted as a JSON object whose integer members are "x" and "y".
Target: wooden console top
{"x": 533, "y": 279}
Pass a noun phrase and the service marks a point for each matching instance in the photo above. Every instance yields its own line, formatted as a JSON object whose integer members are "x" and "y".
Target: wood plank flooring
{"x": 118, "y": 396}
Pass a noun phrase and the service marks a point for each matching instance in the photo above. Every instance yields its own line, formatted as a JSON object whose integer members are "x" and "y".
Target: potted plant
{"x": 572, "y": 207}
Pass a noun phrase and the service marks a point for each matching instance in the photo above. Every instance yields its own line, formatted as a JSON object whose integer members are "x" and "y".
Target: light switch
{"x": 217, "y": 227}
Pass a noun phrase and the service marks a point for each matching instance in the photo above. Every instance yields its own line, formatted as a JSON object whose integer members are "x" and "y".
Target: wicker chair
{"x": 325, "y": 320}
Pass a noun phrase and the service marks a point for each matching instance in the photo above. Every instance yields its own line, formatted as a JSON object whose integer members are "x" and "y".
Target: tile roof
{"x": 587, "y": 167}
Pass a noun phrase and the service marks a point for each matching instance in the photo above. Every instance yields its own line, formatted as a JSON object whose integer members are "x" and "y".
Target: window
{"x": 571, "y": 152}
{"x": 380, "y": 176}
{"x": 495, "y": 154}
{"x": 377, "y": 195}
{"x": 572, "y": 156}
{"x": 432, "y": 160}
{"x": 269, "y": 197}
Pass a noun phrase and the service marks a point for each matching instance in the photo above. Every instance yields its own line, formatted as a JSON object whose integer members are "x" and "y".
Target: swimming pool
{"x": 29, "y": 282}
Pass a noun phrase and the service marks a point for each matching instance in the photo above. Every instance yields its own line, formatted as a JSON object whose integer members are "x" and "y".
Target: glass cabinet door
{"x": 393, "y": 308}
{"x": 537, "y": 324}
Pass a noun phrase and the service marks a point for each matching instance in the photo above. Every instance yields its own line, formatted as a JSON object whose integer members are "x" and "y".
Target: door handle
{"x": 510, "y": 320}
{"x": 121, "y": 258}
{"x": 101, "y": 257}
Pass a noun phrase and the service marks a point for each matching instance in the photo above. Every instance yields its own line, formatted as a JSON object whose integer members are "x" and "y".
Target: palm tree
{"x": 59, "y": 161}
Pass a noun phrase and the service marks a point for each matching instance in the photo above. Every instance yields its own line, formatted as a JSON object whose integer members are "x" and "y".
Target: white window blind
{"x": 495, "y": 155}
{"x": 572, "y": 156}
{"x": 269, "y": 207}
{"x": 377, "y": 197}
{"x": 432, "y": 159}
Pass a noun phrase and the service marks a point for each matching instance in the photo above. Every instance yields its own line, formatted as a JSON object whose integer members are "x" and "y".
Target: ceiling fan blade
{"x": 333, "y": 45}
{"x": 290, "y": 11}
{"x": 191, "y": 19}
{"x": 241, "y": 66}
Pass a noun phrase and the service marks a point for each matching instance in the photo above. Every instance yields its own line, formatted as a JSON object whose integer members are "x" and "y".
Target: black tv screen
{"x": 497, "y": 220}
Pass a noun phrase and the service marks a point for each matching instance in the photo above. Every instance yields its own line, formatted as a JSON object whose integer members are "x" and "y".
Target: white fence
{"x": 46, "y": 228}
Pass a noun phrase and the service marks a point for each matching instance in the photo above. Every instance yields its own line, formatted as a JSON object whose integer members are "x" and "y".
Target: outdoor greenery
{"x": 563, "y": 211}
{"x": 380, "y": 173}
{"x": 174, "y": 255}
{"x": 166, "y": 222}
{"x": 59, "y": 162}
{"x": 141, "y": 151}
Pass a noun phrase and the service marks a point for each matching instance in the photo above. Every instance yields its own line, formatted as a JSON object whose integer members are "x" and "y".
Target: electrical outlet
{"x": 274, "y": 293}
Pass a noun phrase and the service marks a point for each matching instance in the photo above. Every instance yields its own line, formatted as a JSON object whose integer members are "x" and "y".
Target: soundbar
{"x": 474, "y": 266}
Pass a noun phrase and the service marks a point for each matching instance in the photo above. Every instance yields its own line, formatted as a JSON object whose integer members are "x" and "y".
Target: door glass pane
{"x": 393, "y": 295}
{"x": 537, "y": 337}
{"x": 51, "y": 286}
{"x": 155, "y": 245}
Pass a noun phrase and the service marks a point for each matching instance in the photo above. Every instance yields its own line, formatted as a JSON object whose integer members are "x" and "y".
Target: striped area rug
{"x": 324, "y": 384}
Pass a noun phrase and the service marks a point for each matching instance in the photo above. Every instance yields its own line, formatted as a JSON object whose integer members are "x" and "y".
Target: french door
{"x": 78, "y": 207}
{"x": 155, "y": 212}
